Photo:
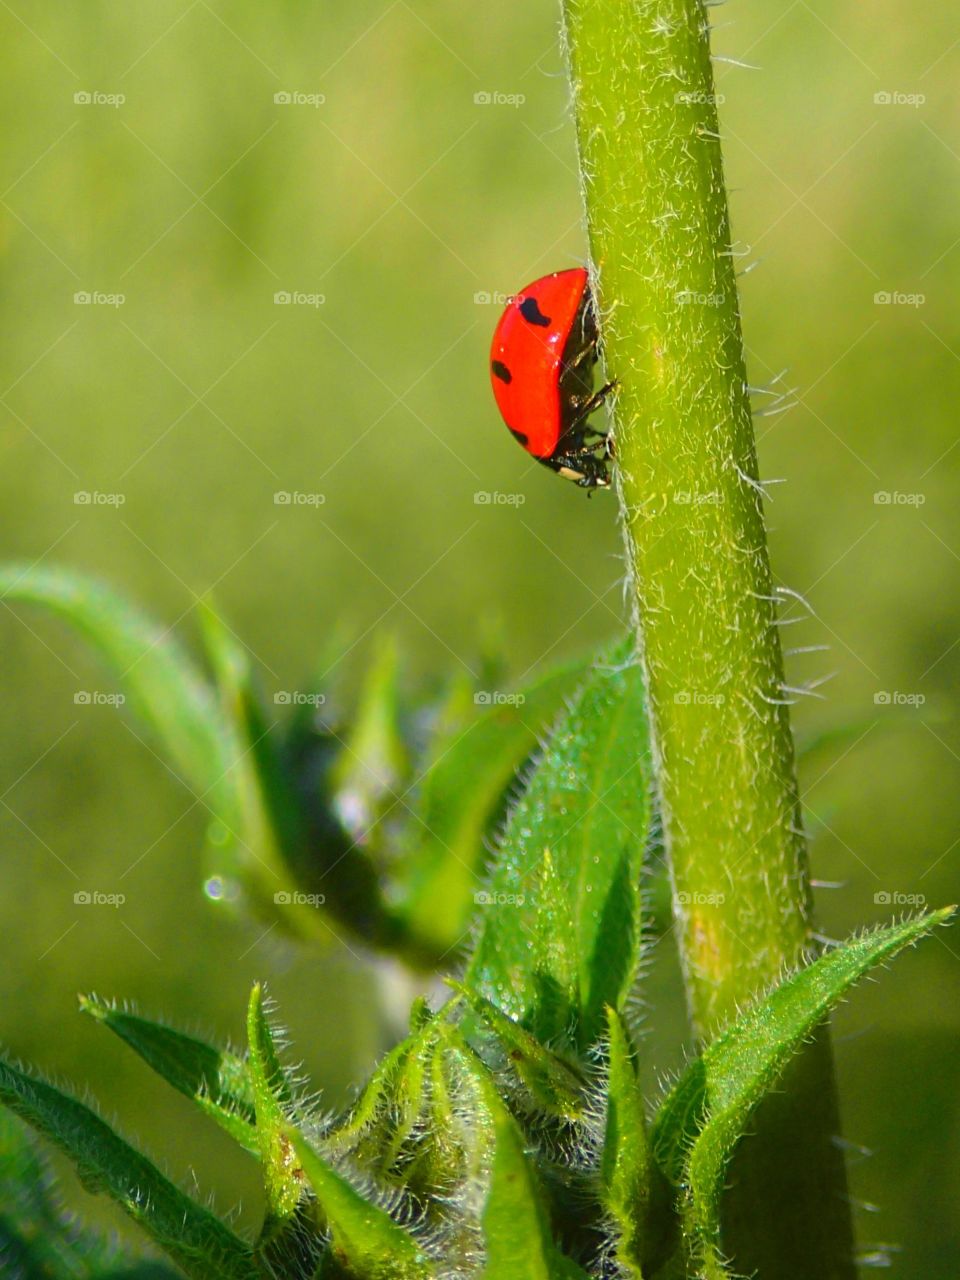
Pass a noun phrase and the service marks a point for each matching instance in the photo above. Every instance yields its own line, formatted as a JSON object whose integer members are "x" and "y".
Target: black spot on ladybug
{"x": 501, "y": 371}
{"x": 520, "y": 437}
{"x": 530, "y": 310}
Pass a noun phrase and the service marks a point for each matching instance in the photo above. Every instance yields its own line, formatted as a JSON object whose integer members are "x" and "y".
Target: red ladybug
{"x": 541, "y": 367}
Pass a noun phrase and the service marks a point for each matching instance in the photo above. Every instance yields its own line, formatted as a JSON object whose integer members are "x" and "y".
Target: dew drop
{"x": 213, "y": 888}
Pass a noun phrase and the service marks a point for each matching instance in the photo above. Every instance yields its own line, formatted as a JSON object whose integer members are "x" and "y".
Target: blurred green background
{"x": 407, "y": 203}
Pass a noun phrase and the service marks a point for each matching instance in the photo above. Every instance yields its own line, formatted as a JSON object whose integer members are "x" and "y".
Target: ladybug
{"x": 541, "y": 367}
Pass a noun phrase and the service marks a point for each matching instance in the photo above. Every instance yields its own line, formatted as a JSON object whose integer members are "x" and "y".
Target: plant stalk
{"x": 706, "y": 609}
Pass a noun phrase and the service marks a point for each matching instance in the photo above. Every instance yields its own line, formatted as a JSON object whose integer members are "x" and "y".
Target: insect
{"x": 541, "y": 367}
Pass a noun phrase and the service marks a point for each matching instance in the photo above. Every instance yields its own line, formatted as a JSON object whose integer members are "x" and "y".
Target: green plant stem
{"x": 693, "y": 516}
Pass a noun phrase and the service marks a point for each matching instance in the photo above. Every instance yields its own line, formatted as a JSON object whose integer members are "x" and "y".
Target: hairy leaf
{"x": 518, "y": 1240}
{"x": 626, "y": 1164}
{"x": 706, "y": 1113}
{"x": 376, "y": 1098}
{"x": 193, "y": 1237}
{"x": 462, "y": 796}
{"x": 555, "y": 1085}
{"x": 216, "y": 1080}
{"x": 364, "y": 1238}
{"x": 39, "y": 1240}
{"x": 560, "y": 933}
{"x": 283, "y": 1177}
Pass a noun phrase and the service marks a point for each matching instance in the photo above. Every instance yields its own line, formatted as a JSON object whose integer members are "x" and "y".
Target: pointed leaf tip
{"x": 216, "y": 1080}
{"x": 283, "y": 1178}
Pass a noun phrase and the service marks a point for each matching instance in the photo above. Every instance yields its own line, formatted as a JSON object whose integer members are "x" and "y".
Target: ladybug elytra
{"x": 541, "y": 367}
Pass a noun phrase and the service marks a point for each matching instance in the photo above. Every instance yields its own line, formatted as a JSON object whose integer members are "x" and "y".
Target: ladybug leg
{"x": 609, "y": 445}
{"x": 587, "y": 449}
{"x": 587, "y": 354}
{"x": 597, "y": 400}
{"x": 593, "y": 403}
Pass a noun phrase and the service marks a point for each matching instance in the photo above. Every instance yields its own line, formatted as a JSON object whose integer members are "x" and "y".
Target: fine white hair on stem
{"x": 733, "y": 252}
{"x": 752, "y": 266}
{"x": 767, "y": 388}
{"x": 734, "y": 62}
{"x": 771, "y": 411}
{"x": 758, "y": 485}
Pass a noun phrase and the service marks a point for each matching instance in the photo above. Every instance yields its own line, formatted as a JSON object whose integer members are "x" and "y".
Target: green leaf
{"x": 161, "y": 684}
{"x": 266, "y": 861}
{"x": 376, "y": 1097}
{"x": 626, "y": 1170}
{"x": 364, "y": 1238}
{"x": 37, "y": 1237}
{"x": 389, "y": 1100}
{"x": 206, "y": 745}
{"x": 516, "y": 1228}
{"x": 450, "y": 1136}
{"x": 557, "y": 1087}
{"x": 560, "y": 932}
{"x": 408, "y": 1101}
{"x": 283, "y": 1177}
{"x": 707, "y": 1112}
{"x": 217, "y": 1081}
{"x": 366, "y": 778}
{"x": 336, "y": 876}
{"x": 192, "y": 1236}
{"x": 461, "y": 799}
{"x": 403, "y": 1131}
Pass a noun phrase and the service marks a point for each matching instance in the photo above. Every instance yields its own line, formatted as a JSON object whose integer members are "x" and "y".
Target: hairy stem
{"x": 692, "y": 504}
